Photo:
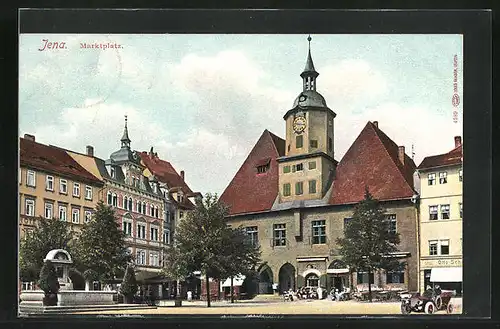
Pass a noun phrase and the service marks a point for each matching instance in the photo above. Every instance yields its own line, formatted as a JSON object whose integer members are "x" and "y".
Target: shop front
{"x": 447, "y": 273}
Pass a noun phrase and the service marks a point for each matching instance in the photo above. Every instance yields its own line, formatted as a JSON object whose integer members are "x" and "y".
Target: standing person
{"x": 190, "y": 295}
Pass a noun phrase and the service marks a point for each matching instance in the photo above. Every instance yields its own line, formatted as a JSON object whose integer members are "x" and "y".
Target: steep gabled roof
{"x": 372, "y": 161}
{"x": 164, "y": 171}
{"x": 53, "y": 160}
{"x": 250, "y": 191}
{"x": 454, "y": 157}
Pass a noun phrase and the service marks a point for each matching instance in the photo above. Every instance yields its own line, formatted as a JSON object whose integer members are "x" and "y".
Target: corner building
{"x": 441, "y": 219}
{"x": 294, "y": 198}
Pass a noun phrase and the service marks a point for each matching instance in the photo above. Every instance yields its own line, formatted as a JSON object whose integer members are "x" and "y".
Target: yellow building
{"x": 440, "y": 226}
{"x": 52, "y": 185}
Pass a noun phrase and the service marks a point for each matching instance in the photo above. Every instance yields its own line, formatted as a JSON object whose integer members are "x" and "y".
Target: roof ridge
{"x": 272, "y": 139}
{"x": 377, "y": 130}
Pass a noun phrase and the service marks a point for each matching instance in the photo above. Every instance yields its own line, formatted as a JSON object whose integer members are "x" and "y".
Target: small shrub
{"x": 48, "y": 283}
{"x": 128, "y": 287}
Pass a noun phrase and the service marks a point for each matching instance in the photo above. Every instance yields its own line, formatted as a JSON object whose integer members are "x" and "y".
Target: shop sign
{"x": 454, "y": 262}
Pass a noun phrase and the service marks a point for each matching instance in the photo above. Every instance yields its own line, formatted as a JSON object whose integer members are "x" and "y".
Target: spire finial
{"x": 125, "y": 139}
{"x": 309, "y": 39}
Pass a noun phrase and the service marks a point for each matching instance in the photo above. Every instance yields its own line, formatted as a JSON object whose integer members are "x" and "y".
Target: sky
{"x": 202, "y": 101}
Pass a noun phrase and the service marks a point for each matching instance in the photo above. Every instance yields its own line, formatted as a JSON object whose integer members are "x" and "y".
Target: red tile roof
{"x": 454, "y": 157}
{"x": 53, "y": 160}
{"x": 372, "y": 161}
{"x": 250, "y": 191}
{"x": 164, "y": 171}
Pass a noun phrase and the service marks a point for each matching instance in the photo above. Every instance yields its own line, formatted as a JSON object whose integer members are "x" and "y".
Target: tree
{"x": 128, "y": 287}
{"x": 201, "y": 242}
{"x": 100, "y": 248}
{"x": 48, "y": 235}
{"x": 49, "y": 284}
{"x": 368, "y": 241}
{"x": 240, "y": 256}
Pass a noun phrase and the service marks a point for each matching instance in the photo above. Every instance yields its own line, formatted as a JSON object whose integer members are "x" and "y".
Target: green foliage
{"x": 203, "y": 241}
{"x": 100, "y": 247}
{"x": 77, "y": 279}
{"x": 129, "y": 283}
{"x": 48, "y": 279}
{"x": 367, "y": 240}
{"x": 48, "y": 235}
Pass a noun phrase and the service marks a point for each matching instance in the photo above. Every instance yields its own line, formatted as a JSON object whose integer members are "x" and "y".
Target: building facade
{"x": 294, "y": 198}
{"x": 441, "y": 219}
{"x": 53, "y": 186}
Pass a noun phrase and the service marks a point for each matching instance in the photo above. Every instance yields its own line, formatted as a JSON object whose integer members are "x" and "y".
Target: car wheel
{"x": 405, "y": 308}
{"x": 430, "y": 308}
{"x": 449, "y": 308}
{"x": 439, "y": 302}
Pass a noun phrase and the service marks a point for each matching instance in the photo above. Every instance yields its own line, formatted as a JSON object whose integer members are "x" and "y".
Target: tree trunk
{"x": 208, "y": 289}
{"x": 232, "y": 291}
{"x": 369, "y": 284}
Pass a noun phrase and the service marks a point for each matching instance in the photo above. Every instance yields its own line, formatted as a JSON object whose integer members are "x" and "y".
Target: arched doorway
{"x": 265, "y": 280}
{"x": 287, "y": 277}
{"x": 312, "y": 280}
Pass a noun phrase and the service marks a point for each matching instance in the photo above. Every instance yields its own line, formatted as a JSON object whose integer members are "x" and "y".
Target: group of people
{"x": 337, "y": 295}
{"x": 304, "y": 293}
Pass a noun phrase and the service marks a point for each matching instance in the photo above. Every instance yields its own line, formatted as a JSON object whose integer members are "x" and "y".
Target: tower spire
{"x": 125, "y": 139}
{"x": 309, "y": 74}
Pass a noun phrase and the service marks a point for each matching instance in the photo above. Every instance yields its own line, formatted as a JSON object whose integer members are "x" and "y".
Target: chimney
{"x": 29, "y": 137}
{"x": 182, "y": 174}
{"x": 151, "y": 154}
{"x": 401, "y": 154}
{"x": 90, "y": 150}
{"x": 375, "y": 123}
{"x": 458, "y": 141}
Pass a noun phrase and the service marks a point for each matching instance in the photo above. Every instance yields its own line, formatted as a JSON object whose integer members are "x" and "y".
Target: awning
{"x": 237, "y": 281}
{"x": 446, "y": 274}
{"x": 337, "y": 270}
{"x": 312, "y": 259}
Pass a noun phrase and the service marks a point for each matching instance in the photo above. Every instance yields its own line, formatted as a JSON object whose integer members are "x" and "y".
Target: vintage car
{"x": 432, "y": 300}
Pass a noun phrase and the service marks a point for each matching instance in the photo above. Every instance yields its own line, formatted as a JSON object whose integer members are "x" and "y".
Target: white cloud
{"x": 351, "y": 80}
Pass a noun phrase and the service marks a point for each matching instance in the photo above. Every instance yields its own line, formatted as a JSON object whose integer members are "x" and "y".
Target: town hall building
{"x": 294, "y": 198}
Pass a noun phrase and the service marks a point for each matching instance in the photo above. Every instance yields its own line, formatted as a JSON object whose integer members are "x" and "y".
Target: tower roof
{"x": 309, "y": 69}
{"x": 125, "y": 137}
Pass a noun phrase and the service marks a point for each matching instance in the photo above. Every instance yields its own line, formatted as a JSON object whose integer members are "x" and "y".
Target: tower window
{"x": 299, "y": 188}
{"x": 286, "y": 169}
{"x": 312, "y": 186}
{"x": 312, "y": 165}
{"x": 298, "y": 141}
{"x": 330, "y": 144}
{"x": 286, "y": 189}
{"x": 313, "y": 143}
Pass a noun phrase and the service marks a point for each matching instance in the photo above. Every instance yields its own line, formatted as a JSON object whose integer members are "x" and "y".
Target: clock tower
{"x": 308, "y": 167}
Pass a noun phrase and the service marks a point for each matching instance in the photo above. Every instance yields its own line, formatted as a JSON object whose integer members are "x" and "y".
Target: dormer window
{"x": 263, "y": 166}
{"x": 113, "y": 172}
{"x": 262, "y": 169}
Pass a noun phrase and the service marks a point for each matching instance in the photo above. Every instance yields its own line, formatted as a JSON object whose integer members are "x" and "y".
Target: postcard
{"x": 265, "y": 174}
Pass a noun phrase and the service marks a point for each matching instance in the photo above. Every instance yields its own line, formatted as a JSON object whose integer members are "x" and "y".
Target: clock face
{"x": 299, "y": 124}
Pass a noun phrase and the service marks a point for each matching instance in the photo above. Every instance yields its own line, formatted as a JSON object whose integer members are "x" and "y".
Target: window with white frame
{"x": 461, "y": 210}
{"x": 431, "y": 179}
{"x": 445, "y": 211}
{"x": 433, "y": 247}
{"x": 88, "y": 192}
{"x": 392, "y": 222}
{"x": 460, "y": 175}
{"x": 130, "y": 204}
{"x": 319, "y": 232}
{"x": 75, "y": 215}
{"x": 127, "y": 227}
{"x": 139, "y": 206}
{"x": 49, "y": 183}
{"x": 76, "y": 189}
{"x": 444, "y": 247}
{"x": 144, "y": 208}
{"x": 154, "y": 259}
{"x": 88, "y": 216}
{"x": 141, "y": 257}
{"x": 49, "y": 210}
{"x": 115, "y": 200}
{"x": 253, "y": 235}
{"x": 279, "y": 234}
{"x": 30, "y": 178}
{"x": 433, "y": 212}
{"x": 153, "y": 233}
{"x": 443, "y": 177}
{"x": 63, "y": 186}
{"x": 30, "y": 207}
{"x": 62, "y": 213}
{"x": 141, "y": 231}
{"x": 110, "y": 198}
{"x": 151, "y": 210}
